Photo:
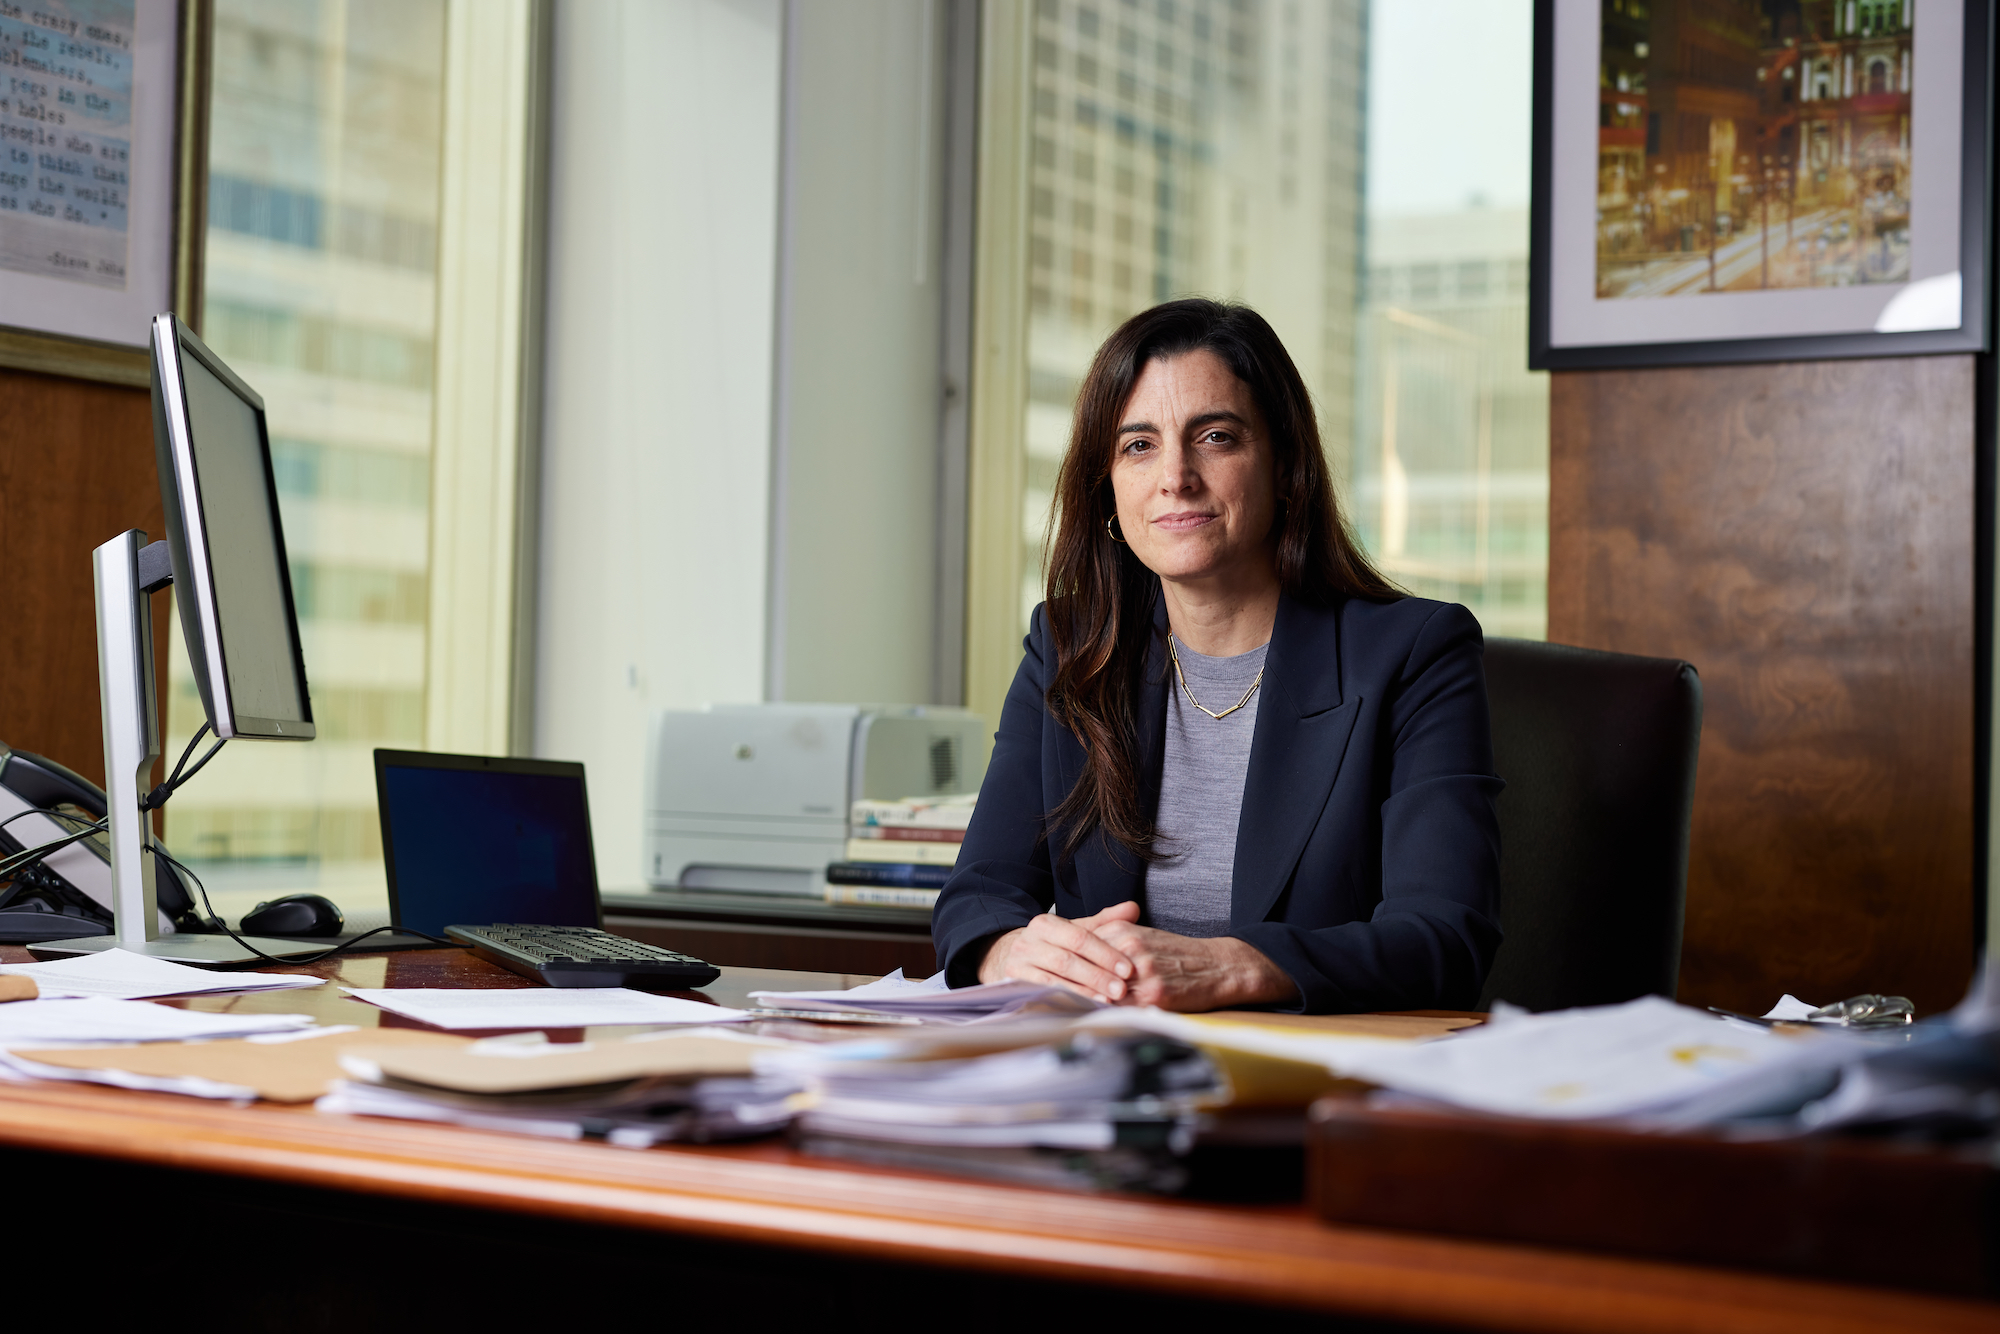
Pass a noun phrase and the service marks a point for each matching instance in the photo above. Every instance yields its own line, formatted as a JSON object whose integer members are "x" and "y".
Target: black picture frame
{"x": 1973, "y": 335}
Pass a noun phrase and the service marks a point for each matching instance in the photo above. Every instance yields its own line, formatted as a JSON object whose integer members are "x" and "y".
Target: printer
{"x": 754, "y": 798}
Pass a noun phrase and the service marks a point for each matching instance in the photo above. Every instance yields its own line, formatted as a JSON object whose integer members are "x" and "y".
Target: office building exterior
{"x": 321, "y": 289}
{"x": 1190, "y": 148}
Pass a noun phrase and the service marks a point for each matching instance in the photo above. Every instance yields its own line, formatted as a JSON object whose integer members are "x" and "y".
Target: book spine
{"x": 883, "y": 850}
{"x": 947, "y": 812}
{"x": 874, "y": 812}
{"x": 881, "y": 896}
{"x": 902, "y": 833}
{"x": 897, "y": 875}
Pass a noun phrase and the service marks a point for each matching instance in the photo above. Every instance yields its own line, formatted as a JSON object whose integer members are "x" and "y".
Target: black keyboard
{"x": 583, "y": 956}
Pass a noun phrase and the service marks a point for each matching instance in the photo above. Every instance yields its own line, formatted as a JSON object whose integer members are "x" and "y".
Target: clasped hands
{"x": 1109, "y": 957}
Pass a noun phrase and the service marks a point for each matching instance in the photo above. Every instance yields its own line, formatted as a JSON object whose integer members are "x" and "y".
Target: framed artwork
{"x": 1759, "y": 180}
{"x": 100, "y": 184}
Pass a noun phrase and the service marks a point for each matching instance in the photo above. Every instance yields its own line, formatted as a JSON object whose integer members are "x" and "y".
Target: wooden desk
{"x": 308, "y": 1221}
{"x": 775, "y": 931}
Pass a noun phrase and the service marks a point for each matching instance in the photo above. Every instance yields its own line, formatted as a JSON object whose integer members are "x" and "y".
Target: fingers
{"x": 1085, "y": 955}
{"x": 1042, "y": 977}
{"x": 1078, "y": 938}
{"x": 1060, "y": 951}
{"x": 1039, "y": 961}
{"x": 1118, "y": 926}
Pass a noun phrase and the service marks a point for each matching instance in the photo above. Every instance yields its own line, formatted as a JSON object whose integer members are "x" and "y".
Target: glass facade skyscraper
{"x": 1216, "y": 147}
{"x": 1189, "y": 147}
{"x": 321, "y": 291}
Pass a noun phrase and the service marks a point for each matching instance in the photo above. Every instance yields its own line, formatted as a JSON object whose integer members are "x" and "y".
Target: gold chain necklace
{"x": 1175, "y": 655}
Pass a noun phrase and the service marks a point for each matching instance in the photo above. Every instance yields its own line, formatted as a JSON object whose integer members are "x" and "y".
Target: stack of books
{"x": 899, "y": 853}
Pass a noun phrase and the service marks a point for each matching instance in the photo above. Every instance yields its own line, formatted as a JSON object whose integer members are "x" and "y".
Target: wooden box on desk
{"x": 1861, "y": 1210}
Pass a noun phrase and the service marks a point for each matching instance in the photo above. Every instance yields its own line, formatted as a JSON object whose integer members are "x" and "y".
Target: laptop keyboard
{"x": 583, "y": 956}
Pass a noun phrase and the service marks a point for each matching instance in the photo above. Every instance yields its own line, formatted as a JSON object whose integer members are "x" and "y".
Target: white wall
{"x": 860, "y": 379}
{"x": 656, "y": 437}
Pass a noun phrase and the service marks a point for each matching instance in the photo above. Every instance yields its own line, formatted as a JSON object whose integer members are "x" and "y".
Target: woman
{"x": 1236, "y": 767}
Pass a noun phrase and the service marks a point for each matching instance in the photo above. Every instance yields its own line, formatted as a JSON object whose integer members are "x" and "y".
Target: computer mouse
{"x": 294, "y": 915}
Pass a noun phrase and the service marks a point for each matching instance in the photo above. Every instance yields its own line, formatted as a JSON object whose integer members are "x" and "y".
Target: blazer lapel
{"x": 1303, "y": 726}
{"x": 1106, "y": 874}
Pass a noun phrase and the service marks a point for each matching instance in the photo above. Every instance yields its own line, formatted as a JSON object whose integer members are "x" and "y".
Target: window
{"x": 321, "y": 290}
{"x": 345, "y": 177}
{"x": 1192, "y": 200}
{"x": 1449, "y": 479}
{"x": 1254, "y": 188}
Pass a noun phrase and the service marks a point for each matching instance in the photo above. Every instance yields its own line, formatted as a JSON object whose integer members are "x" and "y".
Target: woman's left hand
{"x": 1189, "y": 974}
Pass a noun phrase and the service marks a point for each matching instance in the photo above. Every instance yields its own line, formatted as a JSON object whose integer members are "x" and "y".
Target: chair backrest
{"x": 1598, "y": 752}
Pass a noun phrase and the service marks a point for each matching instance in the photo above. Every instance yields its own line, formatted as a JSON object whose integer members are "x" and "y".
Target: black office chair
{"x": 1598, "y": 752}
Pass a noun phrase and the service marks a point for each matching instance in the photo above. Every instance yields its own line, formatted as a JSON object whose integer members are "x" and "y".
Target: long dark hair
{"x": 1101, "y": 598}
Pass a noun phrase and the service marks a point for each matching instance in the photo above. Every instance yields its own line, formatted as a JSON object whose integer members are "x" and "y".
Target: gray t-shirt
{"x": 1201, "y": 793}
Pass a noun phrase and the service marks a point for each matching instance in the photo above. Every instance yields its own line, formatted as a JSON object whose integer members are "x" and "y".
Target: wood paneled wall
{"x": 76, "y": 469}
{"x": 1803, "y": 534}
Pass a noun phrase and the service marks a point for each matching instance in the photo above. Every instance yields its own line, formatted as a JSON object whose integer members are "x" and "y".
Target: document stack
{"x": 899, "y": 853}
{"x": 694, "y": 1085}
{"x": 926, "y": 1001}
{"x": 1048, "y": 1106}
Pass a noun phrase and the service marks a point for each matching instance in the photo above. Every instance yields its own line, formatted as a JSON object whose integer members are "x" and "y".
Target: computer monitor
{"x": 225, "y": 553}
{"x": 226, "y": 538}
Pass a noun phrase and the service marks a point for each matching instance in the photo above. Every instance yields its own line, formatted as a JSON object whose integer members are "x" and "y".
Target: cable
{"x": 49, "y": 811}
{"x": 180, "y": 764}
{"x": 209, "y": 909}
{"x": 16, "y": 866}
{"x": 207, "y": 755}
{"x": 159, "y": 795}
{"x": 29, "y": 856}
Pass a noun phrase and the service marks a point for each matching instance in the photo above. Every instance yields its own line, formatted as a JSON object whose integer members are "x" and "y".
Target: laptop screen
{"x": 471, "y": 840}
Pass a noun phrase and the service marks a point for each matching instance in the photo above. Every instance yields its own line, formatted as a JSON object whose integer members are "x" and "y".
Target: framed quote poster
{"x": 1759, "y": 180}
{"x": 90, "y": 181}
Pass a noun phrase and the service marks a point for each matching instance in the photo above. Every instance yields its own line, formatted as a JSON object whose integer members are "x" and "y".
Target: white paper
{"x": 354, "y": 1098}
{"x": 129, "y": 976}
{"x": 107, "y": 1019}
{"x": 1097, "y": 1133}
{"x": 1790, "y": 1007}
{"x": 190, "y": 1086}
{"x": 1646, "y": 1057}
{"x": 1931, "y": 1072}
{"x": 1979, "y": 1012}
{"x": 542, "y": 1007}
{"x": 934, "y": 1000}
{"x": 895, "y": 986}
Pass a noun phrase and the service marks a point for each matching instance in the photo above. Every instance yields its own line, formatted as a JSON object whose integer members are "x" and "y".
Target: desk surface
{"x": 766, "y": 1194}
{"x": 717, "y": 906}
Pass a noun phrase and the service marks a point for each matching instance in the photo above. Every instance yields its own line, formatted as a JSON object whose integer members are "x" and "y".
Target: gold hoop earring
{"x": 1111, "y": 529}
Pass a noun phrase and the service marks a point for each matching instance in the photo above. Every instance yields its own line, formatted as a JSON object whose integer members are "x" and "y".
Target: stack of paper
{"x": 294, "y": 1066}
{"x": 691, "y": 1085}
{"x": 1067, "y": 1107}
{"x": 130, "y": 976}
{"x": 106, "y": 1019}
{"x": 1939, "y": 1077}
{"x": 1649, "y": 1058}
{"x": 542, "y": 1007}
{"x": 931, "y": 1000}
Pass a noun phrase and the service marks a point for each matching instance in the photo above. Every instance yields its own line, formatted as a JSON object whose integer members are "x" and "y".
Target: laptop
{"x": 494, "y": 852}
{"x": 485, "y": 838}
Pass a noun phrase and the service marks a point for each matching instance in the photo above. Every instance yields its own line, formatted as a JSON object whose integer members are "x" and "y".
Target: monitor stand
{"x": 131, "y": 745}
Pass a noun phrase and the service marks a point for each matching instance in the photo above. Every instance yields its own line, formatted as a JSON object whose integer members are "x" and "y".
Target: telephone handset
{"x": 68, "y": 894}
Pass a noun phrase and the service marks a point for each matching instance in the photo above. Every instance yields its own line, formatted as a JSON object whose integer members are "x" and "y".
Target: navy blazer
{"x": 1368, "y": 852}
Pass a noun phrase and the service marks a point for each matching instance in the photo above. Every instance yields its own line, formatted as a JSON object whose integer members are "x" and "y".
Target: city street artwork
{"x": 1744, "y": 174}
